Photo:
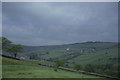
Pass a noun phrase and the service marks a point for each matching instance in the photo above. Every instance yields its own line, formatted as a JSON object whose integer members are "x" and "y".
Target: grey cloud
{"x": 59, "y": 23}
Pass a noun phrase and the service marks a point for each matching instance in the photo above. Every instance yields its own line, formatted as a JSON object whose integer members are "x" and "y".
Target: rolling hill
{"x": 21, "y": 69}
{"x": 77, "y": 53}
{"x": 102, "y": 56}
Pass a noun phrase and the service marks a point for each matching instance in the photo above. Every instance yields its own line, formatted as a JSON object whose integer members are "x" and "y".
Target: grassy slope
{"x": 0, "y": 67}
{"x": 93, "y": 58}
{"x": 87, "y": 57}
{"x": 21, "y": 69}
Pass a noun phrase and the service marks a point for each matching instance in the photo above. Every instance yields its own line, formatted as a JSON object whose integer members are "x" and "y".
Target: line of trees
{"x": 105, "y": 69}
{"x": 11, "y": 48}
{"x": 77, "y": 67}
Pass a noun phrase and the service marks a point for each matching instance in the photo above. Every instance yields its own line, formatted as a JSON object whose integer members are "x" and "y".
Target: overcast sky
{"x": 39, "y": 24}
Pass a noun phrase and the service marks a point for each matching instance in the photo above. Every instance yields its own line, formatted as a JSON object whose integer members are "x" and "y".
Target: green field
{"x": 22, "y": 69}
{"x": 99, "y": 54}
{"x": 94, "y": 53}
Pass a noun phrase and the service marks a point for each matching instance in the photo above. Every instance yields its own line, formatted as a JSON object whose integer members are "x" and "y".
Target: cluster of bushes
{"x": 33, "y": 56}
{"x": 106, "y": 69}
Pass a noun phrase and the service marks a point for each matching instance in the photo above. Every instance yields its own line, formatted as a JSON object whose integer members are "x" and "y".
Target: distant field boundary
{"x": 66, "y": 69}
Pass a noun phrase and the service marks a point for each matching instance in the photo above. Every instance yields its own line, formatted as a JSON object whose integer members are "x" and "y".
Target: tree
{"x": 77, "y": 67}
{"x": 108, "y": 66}
{"x": 15, "y": 49}
{"x": 9, "y": 47}
{"x": 47, "y": 52}
{"x": 5, "y": 43}
{"x": 59, "y": 63}
{"x": 33, "y": 56}
{"x": 55, "y": 70}
{"x": 110, "y": 72}
{"x": 89, "y": 68}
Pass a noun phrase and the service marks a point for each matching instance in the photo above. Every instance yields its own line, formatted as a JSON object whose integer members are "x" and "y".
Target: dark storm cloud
{"x": 59, "y": 23}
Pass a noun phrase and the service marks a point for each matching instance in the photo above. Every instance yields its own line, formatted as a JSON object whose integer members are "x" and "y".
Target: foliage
{"x": 89, "y": 68}
{"x": 55, "y": 70}
{"x": 15, "y": 49}
{"x": 77, "y": 67}
{"x": 5, "y": 43}
{"x": 106, "y": 69}
{"x": 59, "y": 63}
{"x": 47, "y": 52}
{"x": 33, "y": 56}
{"x": 108, "y": 66}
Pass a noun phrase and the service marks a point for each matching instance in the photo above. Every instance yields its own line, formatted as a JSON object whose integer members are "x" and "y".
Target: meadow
{"x": 102, "y": 56}
{"x": 21, "y": 69}
{"x": 78, "y": 53}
